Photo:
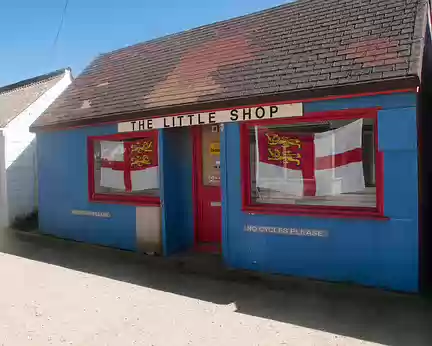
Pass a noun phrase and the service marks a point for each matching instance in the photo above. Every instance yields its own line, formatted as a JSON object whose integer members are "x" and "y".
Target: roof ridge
{"x": 32, "y": 81}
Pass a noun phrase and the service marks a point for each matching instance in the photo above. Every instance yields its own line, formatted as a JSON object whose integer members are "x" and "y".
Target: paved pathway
{"x": 63, "y": 293}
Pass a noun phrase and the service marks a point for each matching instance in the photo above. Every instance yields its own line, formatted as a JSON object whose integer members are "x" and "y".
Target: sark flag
{"x": 322, "y": 164}
{"x": 129, "y": 166}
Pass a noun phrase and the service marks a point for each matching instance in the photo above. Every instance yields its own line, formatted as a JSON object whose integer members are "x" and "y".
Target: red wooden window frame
{"x": 122, "y": 199}
{"x": 319, "y": 211}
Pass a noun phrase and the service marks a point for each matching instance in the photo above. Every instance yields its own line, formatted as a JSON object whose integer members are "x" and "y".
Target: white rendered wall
{"x": 20, "y": 154}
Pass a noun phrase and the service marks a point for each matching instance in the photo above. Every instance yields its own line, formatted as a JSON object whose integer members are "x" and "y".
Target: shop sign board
{"x": 214, "y": 117}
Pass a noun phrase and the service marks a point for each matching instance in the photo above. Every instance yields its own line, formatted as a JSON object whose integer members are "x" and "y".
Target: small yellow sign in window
{"x": 215, "y": 148}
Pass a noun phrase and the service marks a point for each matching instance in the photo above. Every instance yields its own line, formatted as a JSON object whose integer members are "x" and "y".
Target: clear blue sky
{"x": 28, "y": 28}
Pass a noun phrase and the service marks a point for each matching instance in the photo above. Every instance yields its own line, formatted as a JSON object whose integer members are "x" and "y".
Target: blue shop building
{"x": 288, "y": 141}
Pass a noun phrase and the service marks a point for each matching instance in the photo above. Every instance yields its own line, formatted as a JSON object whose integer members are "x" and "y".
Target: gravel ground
{"x": 62, "y": 293}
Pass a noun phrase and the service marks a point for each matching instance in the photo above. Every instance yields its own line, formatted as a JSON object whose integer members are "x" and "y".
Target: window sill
{"x": 126, "y": 200}
{"x": 336, "y": 214}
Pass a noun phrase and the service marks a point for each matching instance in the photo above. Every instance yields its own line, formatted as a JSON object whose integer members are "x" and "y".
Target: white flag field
{"x": 321, "y": 164}
{"x": 138, "y": 172}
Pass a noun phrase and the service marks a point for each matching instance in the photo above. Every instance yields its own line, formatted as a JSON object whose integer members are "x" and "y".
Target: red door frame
{"x": 196, "y": 188}
{"x": 196, "y": 177}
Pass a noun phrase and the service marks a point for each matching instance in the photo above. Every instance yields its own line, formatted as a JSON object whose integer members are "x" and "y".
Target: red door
{"x": 207, "y": 181}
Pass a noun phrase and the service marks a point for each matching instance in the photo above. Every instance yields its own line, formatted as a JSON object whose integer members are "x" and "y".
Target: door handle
{"x": 215, "y": 204}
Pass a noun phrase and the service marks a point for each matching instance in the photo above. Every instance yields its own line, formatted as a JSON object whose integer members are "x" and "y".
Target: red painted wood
{"x": 90, "y": 163}
{"x": 318, "y": 211}
{"x": 275, "y": 209}
{"x": 245, "y": 165}
{"x": 127, "y": 135}
{"x": 208, "y": 216}
{"x": 318, "y": 116}
{"x": 379, "y": 172}
{"x": 210, "y": 225}
{"x": 208, "y": 248}
{"x": 127, "y": 168}
{"x": 196, "y": 177}
{"x": 127, "y": 200}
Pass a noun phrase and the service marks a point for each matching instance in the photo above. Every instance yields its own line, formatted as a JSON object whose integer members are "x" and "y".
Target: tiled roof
{"x": 16, "y": 97}
{"x": 303, "y": 45}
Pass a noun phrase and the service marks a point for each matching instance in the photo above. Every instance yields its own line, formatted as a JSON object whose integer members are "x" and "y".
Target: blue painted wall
{"x": 176, "y": 156}
{"x": 369, "y": 252}
{"x": 377, "y": 253}
{"x": 63, "y": 187}
{"x": 63, "y": 181}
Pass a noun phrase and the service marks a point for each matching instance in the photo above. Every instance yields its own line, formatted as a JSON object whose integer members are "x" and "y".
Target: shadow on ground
{"x": 367, "y": 314}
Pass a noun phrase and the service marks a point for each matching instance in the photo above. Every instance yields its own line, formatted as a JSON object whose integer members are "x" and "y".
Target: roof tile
{"x": 390, "y": 74}
{"x": 374, "y": 63}
{"x": 383, "y": 68}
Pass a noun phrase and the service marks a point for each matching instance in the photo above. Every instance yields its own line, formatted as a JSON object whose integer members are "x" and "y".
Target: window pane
{"x": 127, "y": 167}
{"x": 328, "y": 163}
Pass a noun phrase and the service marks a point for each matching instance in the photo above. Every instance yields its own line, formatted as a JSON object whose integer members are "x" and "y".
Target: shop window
{"x": 312, "y": 166}
{"x": 124, "y": 169}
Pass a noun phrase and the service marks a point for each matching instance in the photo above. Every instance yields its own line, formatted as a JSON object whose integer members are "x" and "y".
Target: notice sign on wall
{"x": 214, "y": 117}
{"x": 299, "y": 232}
{"x": 102, "y": 214}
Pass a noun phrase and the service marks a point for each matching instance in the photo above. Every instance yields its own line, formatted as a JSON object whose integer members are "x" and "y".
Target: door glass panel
{"x": 211, "y": 155}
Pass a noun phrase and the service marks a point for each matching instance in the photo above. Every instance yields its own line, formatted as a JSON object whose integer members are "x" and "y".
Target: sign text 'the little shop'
{"x": 214, "y": 117}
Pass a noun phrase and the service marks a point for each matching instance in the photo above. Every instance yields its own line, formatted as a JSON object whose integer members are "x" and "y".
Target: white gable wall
{"x": 3, "y": 194}
{"x": 20, "y": 155}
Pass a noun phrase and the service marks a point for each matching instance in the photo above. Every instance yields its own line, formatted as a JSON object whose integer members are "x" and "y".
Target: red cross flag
{"x": 129, "y": 166}
{"x": 321, "y": 164}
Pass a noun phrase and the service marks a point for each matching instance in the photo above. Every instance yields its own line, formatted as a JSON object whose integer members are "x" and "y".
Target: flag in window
{"x": 320, "y": 164}
{"x": 129, "y": 166}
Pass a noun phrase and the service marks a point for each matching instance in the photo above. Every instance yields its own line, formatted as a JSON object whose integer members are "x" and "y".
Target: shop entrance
{"x": 208, "y": 214}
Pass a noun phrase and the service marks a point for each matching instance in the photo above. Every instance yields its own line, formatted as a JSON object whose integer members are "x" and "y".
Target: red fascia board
{"x": 58, "y": 127}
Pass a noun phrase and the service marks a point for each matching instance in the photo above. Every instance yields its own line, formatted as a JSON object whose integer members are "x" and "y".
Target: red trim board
{"x": 305, "y": 100}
